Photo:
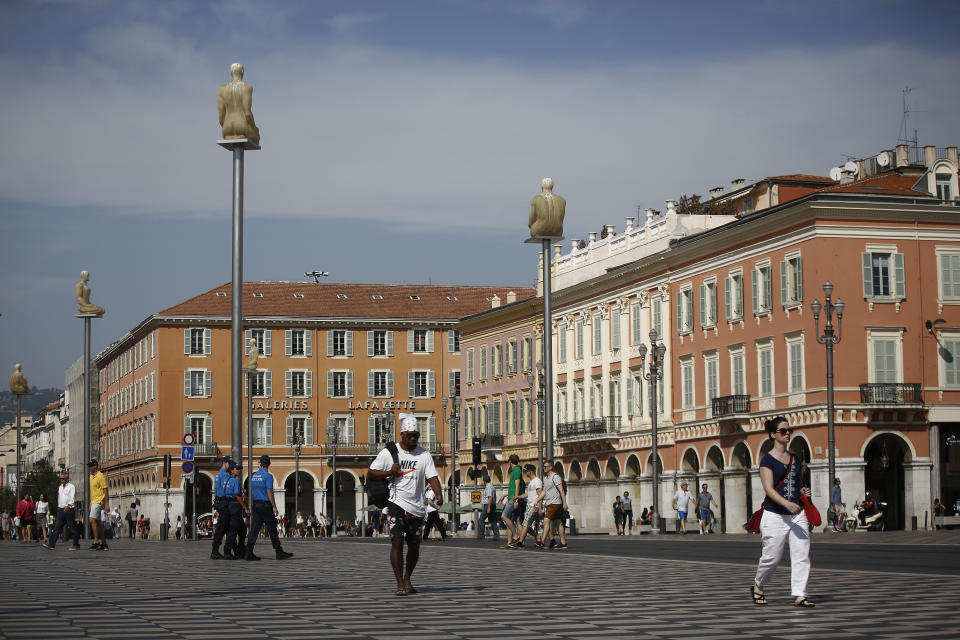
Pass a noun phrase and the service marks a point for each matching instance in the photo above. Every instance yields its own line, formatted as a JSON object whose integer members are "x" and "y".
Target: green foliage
{"x": 42, "y": 479}
{"x": 7, "y": 499}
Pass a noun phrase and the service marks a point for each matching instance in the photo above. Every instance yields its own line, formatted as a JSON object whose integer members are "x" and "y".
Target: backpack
{"x": 378, "y": 491}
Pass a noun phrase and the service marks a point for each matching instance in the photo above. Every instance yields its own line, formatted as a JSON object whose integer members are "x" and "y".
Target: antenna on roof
{"x": 316, "y": 275}
{"x": 904, "y": 128}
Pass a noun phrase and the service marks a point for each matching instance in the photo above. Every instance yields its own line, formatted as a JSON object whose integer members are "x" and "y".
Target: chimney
{"x": 929, "y": 156}
{"x": 494, "y": 301}
{"x": 846, "y": 177}
{"x": 737, "y": 183}
{"x": 902, "y": 156}
{"x": 952, "y": 155}
{"x": 716, "y": 192}
{"x": 629, "y": 225}
{"x": 593, "y": 237}
{"x": 511, "y": 297}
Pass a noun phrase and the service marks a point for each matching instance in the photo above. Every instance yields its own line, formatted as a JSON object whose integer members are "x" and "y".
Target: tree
{"x": 42, "y": 479}
{"x": 7, "y": 499}
{"x": 692, "y": 205}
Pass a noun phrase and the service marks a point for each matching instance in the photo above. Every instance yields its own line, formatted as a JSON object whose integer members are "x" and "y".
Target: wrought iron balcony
{"x": 491, "y": 441}
{"x": 891, "y": 393}
{"x": 731, "y": 405}
{"x": 588, "y": 429}
{"x": 206, "y": 450}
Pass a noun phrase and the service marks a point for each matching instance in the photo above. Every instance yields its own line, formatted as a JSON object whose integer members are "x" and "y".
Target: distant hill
{"x": 37, "y": 400}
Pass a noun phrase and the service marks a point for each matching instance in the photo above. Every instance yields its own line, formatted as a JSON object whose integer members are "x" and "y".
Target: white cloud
{"x": 379, "y": 136}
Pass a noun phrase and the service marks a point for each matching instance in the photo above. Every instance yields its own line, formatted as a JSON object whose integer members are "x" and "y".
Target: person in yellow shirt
{"x": 98, "y": 503}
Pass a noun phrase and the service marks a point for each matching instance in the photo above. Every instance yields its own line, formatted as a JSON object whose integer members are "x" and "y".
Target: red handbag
{"x": 753, "y": 524}
{"x": 813, "y": 514}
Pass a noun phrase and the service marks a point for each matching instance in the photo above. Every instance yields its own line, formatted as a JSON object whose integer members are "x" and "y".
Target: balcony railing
{"x": 491, "y": 441}
{"x": 206, "y": 450}
{"x": 375, "y": 447}
{"x": 891, "y": 393}
{"x": 731, "y": 405}
{"x": 591, "y": 427}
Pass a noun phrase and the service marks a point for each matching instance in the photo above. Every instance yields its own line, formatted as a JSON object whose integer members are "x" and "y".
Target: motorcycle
{"x": 874, "y": 522}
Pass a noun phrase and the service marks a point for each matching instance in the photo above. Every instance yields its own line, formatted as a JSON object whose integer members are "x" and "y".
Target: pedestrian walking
{"x": 5, "y": 524}
{"x": 178, "y": 530}
{"x": 628, "y": 512}
{"x": 704, "y": 500}
{"x": 132, "y": 522}
{"x": 264, "y": 511}
{"x": 489, "y": 501}
{"x": 40, "y": 517}
{"x": 618, "y": 515}
{"x": 554, "y": 507}
{"x": 25, "y": 511}
{"x": 783, "y": 520}
{"x": 66, "y": 517}
{"x": 836, "y": 504}
{"x": 99, "y": 501}
{"x": 533, "y": 495}
{"x": 433, "y": 516}
{"x": 513, "y": 507}
{"x": 405, "y": 510}
{"x": 229, "y": 506}
{"x": 681, "y": 503}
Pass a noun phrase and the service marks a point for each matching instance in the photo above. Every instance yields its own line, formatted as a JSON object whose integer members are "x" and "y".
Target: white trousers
{"x": 775, "y": 530}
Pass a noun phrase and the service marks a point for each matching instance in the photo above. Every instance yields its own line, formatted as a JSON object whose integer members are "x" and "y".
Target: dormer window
{"x": 341, "y": 296}
{"x": 258, "y": 295}
{"x": 298, "y": 296}
{"x": 414, "y": 297}
{"x": 221, "y": 294}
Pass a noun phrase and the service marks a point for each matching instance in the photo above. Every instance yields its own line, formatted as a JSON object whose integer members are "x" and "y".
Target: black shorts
{"x": 403, "y": 525}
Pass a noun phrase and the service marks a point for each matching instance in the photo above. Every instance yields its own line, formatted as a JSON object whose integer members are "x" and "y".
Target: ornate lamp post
{"x": 297, "y": 446}
{"x": 538, "y": 400}
{"x": 333, "y": 436}
{"x": 652, "y": 376}
{"x": 453, "y": 419}
{"x": 829, "y": 338}
{"x": 20, "y": 388}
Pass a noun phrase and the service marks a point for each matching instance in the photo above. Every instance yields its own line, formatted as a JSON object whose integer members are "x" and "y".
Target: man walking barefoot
{"x": 405, "y": 510}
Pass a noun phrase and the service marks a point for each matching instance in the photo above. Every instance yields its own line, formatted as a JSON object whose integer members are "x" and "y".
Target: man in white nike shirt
{"x": 405, "y": 511}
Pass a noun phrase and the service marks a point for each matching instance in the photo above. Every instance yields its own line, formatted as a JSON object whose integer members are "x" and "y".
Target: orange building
{"x": 350, "y": 354}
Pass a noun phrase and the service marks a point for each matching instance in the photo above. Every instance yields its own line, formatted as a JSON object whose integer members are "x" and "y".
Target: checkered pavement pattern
{"x": 344, "y": 589}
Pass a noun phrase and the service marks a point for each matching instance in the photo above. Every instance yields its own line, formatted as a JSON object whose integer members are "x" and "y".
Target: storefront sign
{"x": 294, "y": 405}
{"x": 377, "y": 405}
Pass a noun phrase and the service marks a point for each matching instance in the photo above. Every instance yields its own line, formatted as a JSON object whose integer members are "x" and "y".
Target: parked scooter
{"x": 876, "y": 521}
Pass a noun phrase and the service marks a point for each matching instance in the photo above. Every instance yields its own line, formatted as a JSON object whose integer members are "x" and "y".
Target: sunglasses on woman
{"x": 785, "y": 431}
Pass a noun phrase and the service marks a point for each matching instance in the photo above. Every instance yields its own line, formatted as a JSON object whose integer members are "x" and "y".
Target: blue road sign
{"x": 186, "y": 453}
{"x": 187, "y": 467}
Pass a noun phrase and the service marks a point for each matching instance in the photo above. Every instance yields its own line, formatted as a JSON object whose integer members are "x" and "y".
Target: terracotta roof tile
{"x": 800, "y": 177}
{"x": 333, "y": 300}
{"x": 888, "y": 183}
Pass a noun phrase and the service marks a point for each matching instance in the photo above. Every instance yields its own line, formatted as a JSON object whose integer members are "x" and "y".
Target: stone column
{"x": 735, "y": 500}
{"x": 756, "y": 488}
{"x": 935, "y": 474}
{"x": 318, "y": 506}
{"x": 918, "y": 500}
{"x": 280, "y": 497}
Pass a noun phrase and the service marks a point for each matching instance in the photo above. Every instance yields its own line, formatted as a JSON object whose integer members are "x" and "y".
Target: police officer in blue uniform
{"x": 264, "y": 510}
{"x": 220, "y": 505}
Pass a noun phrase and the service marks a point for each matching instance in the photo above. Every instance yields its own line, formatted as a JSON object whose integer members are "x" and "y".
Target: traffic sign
{"x": 187, "y": 476}
{"x": 475, "y": 497}
{"x": 186, "y": 453}
{"x": 187, "y": 467}
{"x": 189, "y": 439}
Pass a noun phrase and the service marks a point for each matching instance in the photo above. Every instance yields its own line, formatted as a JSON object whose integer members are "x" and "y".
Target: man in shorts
{"x": 405, "y": 502}
{"x": 704, "y": 498}
{"x": 98, "y": 504}
{"x": 554, "y": 506}
{"x": 513, "y": 508}
{"x": 681, "y": 502}
{"x": 534, "y": 497}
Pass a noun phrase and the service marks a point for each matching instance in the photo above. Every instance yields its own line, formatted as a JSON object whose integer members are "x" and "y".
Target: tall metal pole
{"x": 296, "y": 475}
{"x": 86, "y": 424}
{"x": 19, "y": 462}
{"x": 250, "y": 375}
{"x": 236, "y": 320}
{"x": 828, "y": 339}
{"x": 193, "y": 489}
{"x": 654, "y": 375}
{"x": 333, "y": 432}
{"x": 547, "y": 355}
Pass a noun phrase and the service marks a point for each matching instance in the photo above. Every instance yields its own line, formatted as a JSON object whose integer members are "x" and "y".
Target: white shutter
{"x": 186, "y": 341}
{"x": 308, "y": 431}
{"x": 450, "y": 341}
{"x": 208, "y": 429}
{"x": 429, "y": 340}
{"x": 206, "y": 341}
{"x": 153, "y": 385}
{"x": 867, "y": 259}
{"x": 370, "y": 389}
{"x": 186, "y": 383}
{"x": 768, "y": 288}
{"x": 288, "y": 383}
{"x": 389, "y": 384}
{"x": 432, "y": 434}
{"x": 783, "y": 282}
{"x": 369, "y": 344}
{"x": 307, "y": 342}
{"x": 349, "y": 439}
{"x": 268, "y": 430}
{"x": 680, "y": 312}
{"x": 410, "y": 333}
{"x": 615, "y": 329}
{"x": 451, "y": 383}
{"x": 186, "y": 424}
{"x": 329, "y": 343}
{"x": 247, "y": 337}
{"x": 756, "y": 291}
{"x": 799, "y": 279}
{"x": 389, "y": 343}
{"x": 703, "y": 305}
{"x": 900, "y": 288}
{"x": 329, "y": 384}
{"x": 727, "y": 283}
{"x": 348, "y": 343}
{"x": 289, "y": 430}
{"x": 349, "y": 377}
{"x": 267, "y": 342}
{"x": 371, "y": 430}
{"x": 288, "y": 342}
{"x": 207, "y": 383}
{"x": 431, "y": 384}
{"x": 411, "y": 383}
{"x": 308, "y": 383}
{"x": 268, "y": 383}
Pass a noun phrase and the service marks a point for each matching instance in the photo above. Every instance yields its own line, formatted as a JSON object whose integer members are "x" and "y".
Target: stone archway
{"x": 885, "y": 456}
{"x": 632, "y": 468}
{"x": 593, "y": 471}
{"x": 612, "y": 471}
{"x": 204, "y": 496}
{"x": 346, "y": 496}
{"x": 303, "y": 501}
{"x": 576, "y": 473}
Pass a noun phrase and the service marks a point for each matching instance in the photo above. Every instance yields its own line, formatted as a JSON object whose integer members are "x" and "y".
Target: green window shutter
{"x": 208, "y": 429}
{"x": 410, "y": 333}
{"x": 689, "y": 304}
{"x": 412, "y": 384}
{"x": 756, "y": 290}
{"x": 307, "y": 342}
{"x": 288, "y": 383}
{"x": 629, "y": 382}
{"x": 370, "y": 375}
{"x": 186, "y": 425}
{"x": 207, "y": 383}
{"x": 349, "y": 377}
{"x": 783, "y": 282}
{"x": 703, "y": 305}
{"x": 450, "y": 341}
{"x": 680, "y": 312}
{"x": 432, "y": 435}
{"x": 348, "y": 339}
{"x": 329, "y": 343}
{"x": 798, "y": 279}
{"x": 369, "y": 344}
{"x": 430, "y": 340}
{"x": 206, "y": 341}
{"x": 267, "y": 342}
{"x": 371, "y": 430}
{"x": 899, "y": 276}
{"x": 289, "y": 430}
{"x": 727, "y": 308}
{"x": 308, "y": 431}
{"x": 389, "y": 384}
{"x": 186, "y": 341}
{"x": 866, "y": 259}
{"x": 247, "y": 337}
{"x": 431, "y": 384}
{"x": 288, "y": 342}
{"x": 635, "y": 323}
{"x": 615, "y": 329}
{"x": 268, "y": 431}
{"x": 768, "y": 286}
{"x": 389, "y": 343}
{"x": 268, "y": 383}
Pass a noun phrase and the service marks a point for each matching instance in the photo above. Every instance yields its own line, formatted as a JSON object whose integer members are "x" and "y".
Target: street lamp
{"x": 652, "y": 376}
{"x": 829, "y": 338}
{"x": 453, "y": 420}
{"x": 333, "y": 435}
{"x": 297, "y": 446}
{"x": 538, "y": 400}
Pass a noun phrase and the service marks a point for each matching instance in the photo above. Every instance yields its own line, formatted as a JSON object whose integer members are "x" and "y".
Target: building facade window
{"x": 795, "y": 361}
{"x": 708, "y": 304}
{"x": 613, "y": 401}
{"x": 453, "y": 341}
{"x": 497, "y": 360}
{"x": 301, "y": 426}
{"x": 528, "y": 353}
{"x": 762, "y": 289}
{"x": 791, "y": 281}
{"x": 686, "y": 381}
{"x": 949, "y": 272}
{"x": 950, "y": 360}
{"x": 765, "y": 369}
{"x": 943, "y": 187}
{"x": 298, "y": 383}
{"x": 685, "y": 310}
{"x": 420, "y": 341}
{"x": 738, "y": 380}
{"x": 453, "y": 382}
{"x": 883, "y": 274}
{"x": 196, "y": 342}
{"x": 884, "y": 347}
{"x": 339, "y": 384}
{"x": 379, "y": 343}
{"x": 201, "y": 426}
{"x": 615, "y": 328}
{"x": 711, "y": 376}
{"x": 262, "y": 430}
{"x": 422, "y": 384}
{"x": 263, "y": 338}
{"x": 262, "y": 383}
{"x": 380, "y": 384}
{"x": 198, "y": 383}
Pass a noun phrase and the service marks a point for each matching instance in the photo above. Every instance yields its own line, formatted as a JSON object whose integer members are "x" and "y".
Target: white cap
{"x": 408, "y": 422}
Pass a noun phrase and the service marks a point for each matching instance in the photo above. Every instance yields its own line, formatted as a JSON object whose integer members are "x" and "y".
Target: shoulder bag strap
{"x": 777, "y": 488}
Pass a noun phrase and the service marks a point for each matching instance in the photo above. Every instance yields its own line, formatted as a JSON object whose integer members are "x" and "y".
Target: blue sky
{"x": 402, "y": 141}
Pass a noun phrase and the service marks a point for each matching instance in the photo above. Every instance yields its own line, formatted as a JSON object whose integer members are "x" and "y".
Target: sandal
{"x": 758, "y": 596}
{"x": 410, "y": 589}
{"x": 400, "y": 592}
{"x": 803, "y": 603}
